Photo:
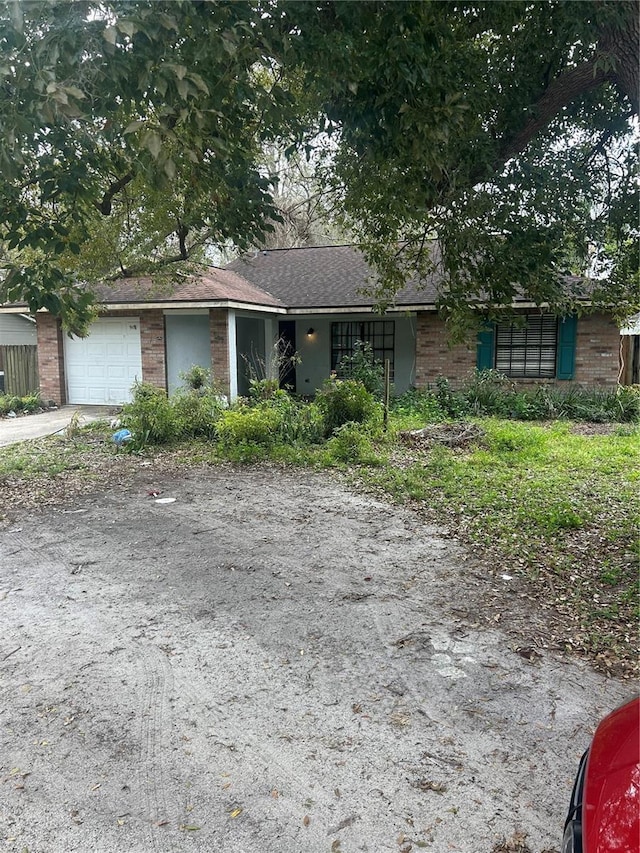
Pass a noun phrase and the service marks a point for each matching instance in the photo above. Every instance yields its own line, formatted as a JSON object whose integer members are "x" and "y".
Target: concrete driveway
{"x": 13, "y": 430}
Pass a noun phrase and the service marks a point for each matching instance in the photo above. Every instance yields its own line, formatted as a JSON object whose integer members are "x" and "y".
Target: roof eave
{"x": 190, "y": 303}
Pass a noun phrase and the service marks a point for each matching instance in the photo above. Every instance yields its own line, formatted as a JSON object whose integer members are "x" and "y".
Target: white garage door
{"x": 102, "y": 367}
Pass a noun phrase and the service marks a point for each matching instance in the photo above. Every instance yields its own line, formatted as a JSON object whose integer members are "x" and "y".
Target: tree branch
{"x": 104, "y": 206}
{"x": 561, "y": 92}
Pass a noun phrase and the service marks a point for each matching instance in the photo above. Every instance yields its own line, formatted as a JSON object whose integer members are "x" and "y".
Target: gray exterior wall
{"x": 315, "y": 351}
{"x": 17, "y": 331}
{"x": 187, "y": 343}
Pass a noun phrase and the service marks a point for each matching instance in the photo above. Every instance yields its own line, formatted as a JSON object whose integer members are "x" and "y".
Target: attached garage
{"x": 102, "y": 368}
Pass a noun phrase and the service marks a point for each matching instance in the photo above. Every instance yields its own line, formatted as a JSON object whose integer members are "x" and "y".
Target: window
{"x": 379, "y": 333}
{"x": 528, "y": 350}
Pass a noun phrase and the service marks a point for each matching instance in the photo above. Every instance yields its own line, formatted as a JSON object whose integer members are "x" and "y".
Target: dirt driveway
{"x": 269, "y": 664}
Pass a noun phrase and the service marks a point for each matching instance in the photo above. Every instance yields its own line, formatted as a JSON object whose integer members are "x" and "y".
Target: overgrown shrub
{"x": 628, "y": 403}
{"x": 277, "y": 420}
{"x": 249, "y": 426}
{"x": 489, "y": 393}
{"x": 344, "y": 400}
{"x": 454, "y": 404}
{"x": 299, "y": 422}
{"x": 263, "y": 389}
{"x": 11, "y": 403}
{"x": 150, "y": 416}
{"x": 352, "y": 444}
{"x": 197, "y": 411}
{"x": 417, "y": 402}
{"x": 362, "y": 366}
{"x": 197, "y": 377}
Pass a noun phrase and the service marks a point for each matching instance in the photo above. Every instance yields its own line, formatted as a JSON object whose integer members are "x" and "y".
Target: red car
{"x": 604, "y": 815}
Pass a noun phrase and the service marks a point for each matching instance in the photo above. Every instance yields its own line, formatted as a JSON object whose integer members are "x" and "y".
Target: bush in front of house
{"x": 150, "y": 417}
{"x": 352, "y": 444}
{"x": 364, "y": 367}
{"x": 278, "y": 419}
{"x": 345, "y": 400}
{"x": 628, "y": 403}
{"x": 258, "y": 426}
{"x": 27, "y": 404}
{"x": 490, "y": 393}
{"x": 196, "y": 411}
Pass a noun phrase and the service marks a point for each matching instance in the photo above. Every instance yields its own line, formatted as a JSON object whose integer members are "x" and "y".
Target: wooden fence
{"x": 20, "y": 366}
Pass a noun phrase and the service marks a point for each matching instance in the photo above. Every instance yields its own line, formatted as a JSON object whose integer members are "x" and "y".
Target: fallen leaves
{"x": 515, "y": 844}
{"x": 430, "y": 785}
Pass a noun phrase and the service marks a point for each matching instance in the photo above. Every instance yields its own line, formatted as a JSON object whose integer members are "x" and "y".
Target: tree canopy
{"x": 492, "y": 141}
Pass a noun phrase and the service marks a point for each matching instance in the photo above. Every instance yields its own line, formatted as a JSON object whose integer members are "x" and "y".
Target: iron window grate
{"x": 379, "y": 333}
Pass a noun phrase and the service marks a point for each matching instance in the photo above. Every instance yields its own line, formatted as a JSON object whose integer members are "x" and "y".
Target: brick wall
{"x": 152, "y": 342}
{"x": 597, "y": 351}
{"x": 218, "y": 324}
{"x": 434, "y": 356}
{"x": 51, "y": 359}
{"x": 596, "y": 357}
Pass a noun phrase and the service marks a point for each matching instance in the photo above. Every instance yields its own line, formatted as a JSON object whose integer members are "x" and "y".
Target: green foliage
{"x": 452, "y": 404}
{"x": 146, "y": 162}
{"x": 489, "y": 393}
{"x": 28, "y": 404}
{"x": 343, "y": 400}
{"x": 628, "y": 401}
{"x": 153, "y": 418}
{"x": 560, "y": 508}
{"x": 352, "y": 444}
{"x": 196, "y": 412}
{"x": 415, "y": 406}
{"x": 278, "y": 420}
{"x": 362, "y": 366}
{"x": 150, "y": 417}
{"x": 500, "y": 130}
{"x": 438, "y": 101}
{"x": 262, "y": 389}
{"x": 197, "y": 378}
{"x": 257, "y": 427}
{"x": 266, "y": 377}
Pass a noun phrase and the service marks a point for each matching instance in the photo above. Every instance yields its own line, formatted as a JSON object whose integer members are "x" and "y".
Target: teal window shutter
{"x": 566, "y": 347}
{"x": 485, "y": 348}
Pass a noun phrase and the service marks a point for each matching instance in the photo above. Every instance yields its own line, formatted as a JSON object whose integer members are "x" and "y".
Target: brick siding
{"x": 51, "y": 359}
{"x": 597, "y": 351}
{"x": 218, "y": 325}
{"x": 434, "y": 356}
{"x": 152, "y": 342}
{"x": 596, "y": 357}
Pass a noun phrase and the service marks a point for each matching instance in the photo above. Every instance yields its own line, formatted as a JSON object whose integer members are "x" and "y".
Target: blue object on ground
{"x": 122, "y": 437}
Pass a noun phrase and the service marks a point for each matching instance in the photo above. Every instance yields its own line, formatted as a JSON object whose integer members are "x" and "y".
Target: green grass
{"x": 559, "y": 508}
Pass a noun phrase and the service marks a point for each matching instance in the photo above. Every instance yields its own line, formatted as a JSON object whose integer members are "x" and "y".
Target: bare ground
{"x": 270, "y": 664}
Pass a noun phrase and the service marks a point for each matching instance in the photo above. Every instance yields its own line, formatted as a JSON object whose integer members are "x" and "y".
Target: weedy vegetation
{"x": 543, "y": 486}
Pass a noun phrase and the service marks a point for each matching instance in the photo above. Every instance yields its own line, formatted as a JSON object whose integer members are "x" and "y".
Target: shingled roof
{"x": 213, "y": 285}
{"x": 314, "y": 279}
{"x": 326, "y": 277}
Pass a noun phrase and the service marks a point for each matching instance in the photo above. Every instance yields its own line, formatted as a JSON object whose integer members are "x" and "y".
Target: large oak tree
{"x": 491, "y": 140}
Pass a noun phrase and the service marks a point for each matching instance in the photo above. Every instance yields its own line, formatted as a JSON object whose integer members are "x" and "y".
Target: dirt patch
{"x": 269, "y": 663}
{"x": 444, "y": 434}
